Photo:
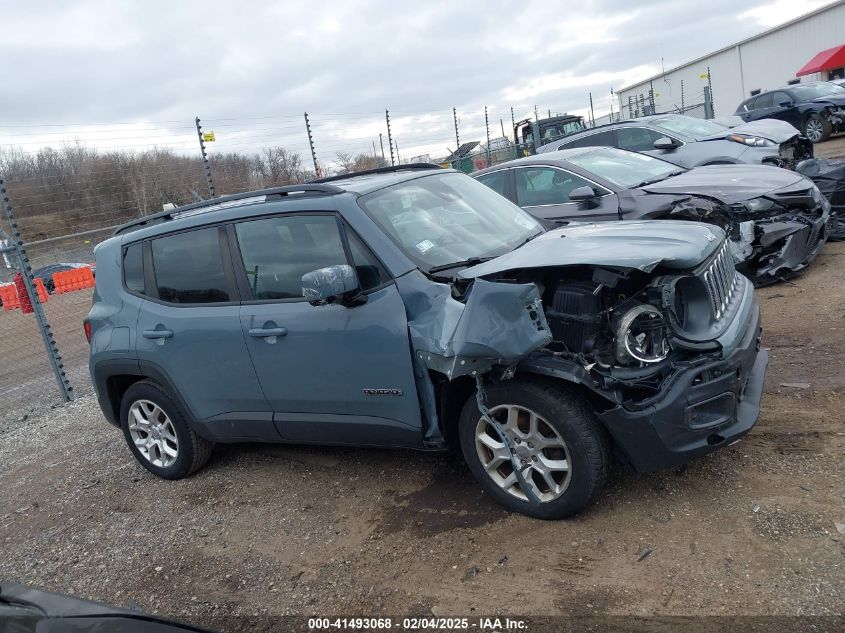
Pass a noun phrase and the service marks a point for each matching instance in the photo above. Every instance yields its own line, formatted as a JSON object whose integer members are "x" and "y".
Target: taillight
{"x": 87, "y": 326}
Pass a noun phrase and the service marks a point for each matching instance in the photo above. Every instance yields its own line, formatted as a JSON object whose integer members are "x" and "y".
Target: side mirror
{"x": 785, "y": 104}
{"x": 332, "y": 284}
{"x": 664, "y": 142}
{"x": 582, "y": 194}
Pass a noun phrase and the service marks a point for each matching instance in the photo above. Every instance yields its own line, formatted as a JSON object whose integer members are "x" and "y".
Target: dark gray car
{"x": 691, "y": 142}
{"x": 777, "y": 219}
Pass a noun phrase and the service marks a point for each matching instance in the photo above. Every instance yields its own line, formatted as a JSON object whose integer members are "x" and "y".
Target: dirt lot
{"x": 750, "y": 530}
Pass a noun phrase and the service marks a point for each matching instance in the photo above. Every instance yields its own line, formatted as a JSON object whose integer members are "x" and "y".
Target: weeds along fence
{"x": 65, "y": 188}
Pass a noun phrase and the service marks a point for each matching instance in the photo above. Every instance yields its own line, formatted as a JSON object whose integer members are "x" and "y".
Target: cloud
{"x": 250, "y": 71}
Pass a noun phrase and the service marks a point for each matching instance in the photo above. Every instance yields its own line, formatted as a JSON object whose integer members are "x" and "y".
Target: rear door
{"x": 330, "y": 373}
{"x": 189, "y": 327}
{"x": 761, "y": 107}
{"x": 544, "y": 191}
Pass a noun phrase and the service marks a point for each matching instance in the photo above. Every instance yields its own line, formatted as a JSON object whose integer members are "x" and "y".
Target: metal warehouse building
{"x": 808, "y": 48}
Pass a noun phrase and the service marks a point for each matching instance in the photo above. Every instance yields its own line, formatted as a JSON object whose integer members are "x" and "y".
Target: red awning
{"x": 826, "y": 60}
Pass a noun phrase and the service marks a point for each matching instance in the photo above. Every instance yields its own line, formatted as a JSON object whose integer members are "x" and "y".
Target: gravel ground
{"x": 754, "y": 529}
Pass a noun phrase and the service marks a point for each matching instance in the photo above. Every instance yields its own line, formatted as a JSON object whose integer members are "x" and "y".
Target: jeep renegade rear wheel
{"x": 561, "y": 449}
{"x": 158, "y": 434}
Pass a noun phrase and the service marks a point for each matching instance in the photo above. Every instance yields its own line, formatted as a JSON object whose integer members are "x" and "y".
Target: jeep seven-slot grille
{"x": 720, "y": 277}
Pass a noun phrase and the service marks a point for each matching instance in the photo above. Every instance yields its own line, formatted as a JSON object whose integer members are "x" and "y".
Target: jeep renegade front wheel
{"x": 158, "y": 434}
{"x": 561, "y": 450}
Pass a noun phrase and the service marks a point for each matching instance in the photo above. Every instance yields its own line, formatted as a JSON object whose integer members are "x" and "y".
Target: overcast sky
{"x": 134, "y": 75}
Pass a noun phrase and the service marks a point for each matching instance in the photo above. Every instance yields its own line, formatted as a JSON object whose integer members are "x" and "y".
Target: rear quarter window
{"x": 133, "y": 268}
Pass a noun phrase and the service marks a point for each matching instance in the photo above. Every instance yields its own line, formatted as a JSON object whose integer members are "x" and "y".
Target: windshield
{"x": 449, "y": 218}
{"x": 688, "y": 126}
{"x": 814, "y": 91}
{"x": 626, "y": 169}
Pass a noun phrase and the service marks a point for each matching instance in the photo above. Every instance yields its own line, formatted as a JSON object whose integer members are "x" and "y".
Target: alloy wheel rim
{"x": 153, "y": 433}
{"x": 814, "y": 130}
{"x": 543, "y": 454}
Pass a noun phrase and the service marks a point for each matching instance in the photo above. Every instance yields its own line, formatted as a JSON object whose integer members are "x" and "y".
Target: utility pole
{"x": 592, "y": 112}
{"x": 17, "y": 246}
{"x": 311, "y": 145}
{"x": 611, "y": 105}
{"x": 398, "y": 160}
{"x": 502, "y": 123}
{"x": 487, "y": 125}
{"x": 457, "y": 139}
{"x": 205, "y": 162}
{"x": 513, "y": 125}
{"x": 710, "y": 92}
{"x": 381, "y": 142}
{"x": 389, "y": 136}
{"x": 536, "y": 116}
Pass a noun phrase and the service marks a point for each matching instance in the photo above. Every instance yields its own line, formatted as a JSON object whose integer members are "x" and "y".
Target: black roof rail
{"x": 379, "y": 170}
{"x": 307, "y": 189}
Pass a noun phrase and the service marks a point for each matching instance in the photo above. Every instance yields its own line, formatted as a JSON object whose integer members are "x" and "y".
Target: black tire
{"x": 816, "y": 119}
{"x": 193, "y": 451}
{"x": 571, "y": 417}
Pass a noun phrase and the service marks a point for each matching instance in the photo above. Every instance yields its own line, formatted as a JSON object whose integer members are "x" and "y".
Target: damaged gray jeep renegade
{"x": 414, "y": 307}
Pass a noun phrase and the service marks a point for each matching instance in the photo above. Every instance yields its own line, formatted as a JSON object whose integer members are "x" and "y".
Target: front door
{"x": 330, "y": 373}
{"x": 544, "y": 193}
{"x": 189, "y": 327}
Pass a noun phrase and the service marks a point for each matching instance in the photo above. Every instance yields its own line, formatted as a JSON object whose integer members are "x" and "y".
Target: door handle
{"x": 157, "y": 333}
{"x": 260, "y": 332}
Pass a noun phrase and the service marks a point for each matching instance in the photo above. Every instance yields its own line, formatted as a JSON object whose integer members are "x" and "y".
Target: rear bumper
{"x": 705, "y": 406}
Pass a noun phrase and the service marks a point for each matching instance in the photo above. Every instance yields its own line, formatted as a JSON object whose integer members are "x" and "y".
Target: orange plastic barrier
{"x": 9, "y": 296}
{"x": 41, "y": 290}
{"x": 87, "y": 277}
{"x": 75, "y": 279}
{"x": 61, "y": 282}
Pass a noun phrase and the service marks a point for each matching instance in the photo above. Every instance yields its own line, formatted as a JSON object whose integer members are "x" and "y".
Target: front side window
{"x": 538, "y": 186}
{"x": 763, "y": 101}
{"x": 637, "y": 139}
{"x": 189, "y": 267}
{"x": 133, "y": 268}
{"x": 625, "y": 169}
{"x": 780, "y": 97}
{"x": 277, "y": 251}
{"x": 448, "y": 218}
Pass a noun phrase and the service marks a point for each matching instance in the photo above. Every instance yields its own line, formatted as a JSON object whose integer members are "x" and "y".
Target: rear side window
{"x": 276, "y": 252}
{"x": 599, "y": 139}
{"x": 133, "y": 268}
{"x": 189, "y": 267}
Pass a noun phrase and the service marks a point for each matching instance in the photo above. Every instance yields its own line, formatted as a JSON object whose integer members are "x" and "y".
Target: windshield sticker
{"x": 425, "y": 246}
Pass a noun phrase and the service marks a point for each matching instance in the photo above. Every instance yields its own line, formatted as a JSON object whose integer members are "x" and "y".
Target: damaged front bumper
{"x": 703, "y": 406}
{"x": 782, "y": 246}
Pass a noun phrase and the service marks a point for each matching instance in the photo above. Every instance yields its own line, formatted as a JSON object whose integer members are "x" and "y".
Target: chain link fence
{"x": 67, "y": 187}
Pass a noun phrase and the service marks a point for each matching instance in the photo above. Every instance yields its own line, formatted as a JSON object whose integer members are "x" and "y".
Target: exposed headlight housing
{"x": 642, "y": 336}
{"x": 758, "y": 205}
{"x": 751, "y": 141}
{"x": 816, "y": 193}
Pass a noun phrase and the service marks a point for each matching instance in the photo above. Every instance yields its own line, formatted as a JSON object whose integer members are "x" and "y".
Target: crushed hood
{"x": 676, "y": 244}
{"x": 835, "y": 99}
{"x": 775, "y": 130}
{"x": 728, "y": 183}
